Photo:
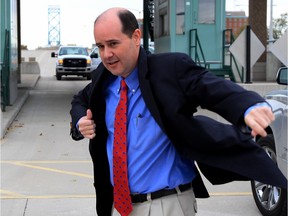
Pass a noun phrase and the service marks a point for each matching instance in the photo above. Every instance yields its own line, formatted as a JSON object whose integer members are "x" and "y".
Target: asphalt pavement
{"x": 45, "y": 173}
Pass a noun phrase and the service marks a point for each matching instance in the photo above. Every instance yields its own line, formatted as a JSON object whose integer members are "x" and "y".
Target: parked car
{"x": 271, "y": 200}
{"x": 72, "y": 60}
{"x": 95, "y": 58}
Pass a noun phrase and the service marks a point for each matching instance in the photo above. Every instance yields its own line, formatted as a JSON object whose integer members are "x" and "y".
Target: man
{"x": 163, "y": 138}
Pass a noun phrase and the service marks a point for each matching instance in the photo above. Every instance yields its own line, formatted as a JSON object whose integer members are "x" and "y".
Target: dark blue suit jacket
{"x": 173, "y": 86}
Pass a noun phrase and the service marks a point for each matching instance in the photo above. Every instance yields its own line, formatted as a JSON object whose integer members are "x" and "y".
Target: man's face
{"x": 118, "y": 52}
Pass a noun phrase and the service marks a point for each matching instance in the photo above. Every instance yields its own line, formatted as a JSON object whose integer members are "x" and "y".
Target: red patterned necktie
{"x": 122, "y": 199}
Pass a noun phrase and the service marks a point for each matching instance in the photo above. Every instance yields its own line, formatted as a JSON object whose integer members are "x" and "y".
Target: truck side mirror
{"x": 94, "y": 55}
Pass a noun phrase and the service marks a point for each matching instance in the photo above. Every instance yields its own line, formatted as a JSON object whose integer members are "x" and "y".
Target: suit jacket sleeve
{"x": 80, "y": 104}
{"x": 221, "y": 96}
{"x": 179, "y": 89}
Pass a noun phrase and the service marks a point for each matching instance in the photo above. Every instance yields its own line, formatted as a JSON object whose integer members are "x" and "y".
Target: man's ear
{"x": 137, "y": 36}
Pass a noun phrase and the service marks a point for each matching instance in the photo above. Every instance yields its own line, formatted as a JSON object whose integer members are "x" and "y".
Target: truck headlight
{"x": 88, "y": 61}
{"x": 60, "y": 61}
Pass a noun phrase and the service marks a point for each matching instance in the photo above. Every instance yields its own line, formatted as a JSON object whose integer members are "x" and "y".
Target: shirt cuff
{"x": 262, "y": 104}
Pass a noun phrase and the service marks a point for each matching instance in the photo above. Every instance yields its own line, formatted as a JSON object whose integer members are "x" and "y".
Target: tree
{"x": 280, "y": 25}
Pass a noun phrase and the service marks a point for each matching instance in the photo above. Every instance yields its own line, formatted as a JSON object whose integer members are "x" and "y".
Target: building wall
{"x": 175, "y": 18}
{"x": 237, "y": 21}
{"x": 9, "y": 23}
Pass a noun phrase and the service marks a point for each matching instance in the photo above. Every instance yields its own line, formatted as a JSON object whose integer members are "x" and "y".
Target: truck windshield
{"x": 73, "y": 51}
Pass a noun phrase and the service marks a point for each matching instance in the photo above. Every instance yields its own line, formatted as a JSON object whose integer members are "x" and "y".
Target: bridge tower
{"x": 54, "y": 25}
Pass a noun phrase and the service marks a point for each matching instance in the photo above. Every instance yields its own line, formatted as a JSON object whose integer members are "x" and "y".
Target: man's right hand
{"x": 86, "y": 125}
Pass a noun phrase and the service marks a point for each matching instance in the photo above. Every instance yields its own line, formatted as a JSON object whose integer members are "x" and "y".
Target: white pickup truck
{"x": 72, "y": 60}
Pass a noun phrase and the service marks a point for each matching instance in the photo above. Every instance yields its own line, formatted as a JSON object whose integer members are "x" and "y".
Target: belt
{"x": 137, "y": 198}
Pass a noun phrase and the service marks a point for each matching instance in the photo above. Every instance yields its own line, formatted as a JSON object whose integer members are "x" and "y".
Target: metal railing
{"x": 195, "y": 49}
{"x": 217, "y": 67}
{"x": 232, "y": 60}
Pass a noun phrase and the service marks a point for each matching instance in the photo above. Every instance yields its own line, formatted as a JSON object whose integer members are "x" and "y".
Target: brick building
{"x": 236, "y": 20}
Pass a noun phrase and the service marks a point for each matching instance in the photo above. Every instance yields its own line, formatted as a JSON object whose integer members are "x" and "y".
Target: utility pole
{"x": 271, "y": 39}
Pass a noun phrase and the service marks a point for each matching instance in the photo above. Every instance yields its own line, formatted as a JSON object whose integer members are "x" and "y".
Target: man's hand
{"x": 258, "y": 119}
{"x": 86, "y": 125}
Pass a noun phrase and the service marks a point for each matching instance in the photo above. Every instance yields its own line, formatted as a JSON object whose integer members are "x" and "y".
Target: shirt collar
{"x": 132, "y": 81}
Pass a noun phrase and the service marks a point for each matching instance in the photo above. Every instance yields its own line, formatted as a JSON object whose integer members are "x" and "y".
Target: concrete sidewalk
{"x": 28, "y": 82}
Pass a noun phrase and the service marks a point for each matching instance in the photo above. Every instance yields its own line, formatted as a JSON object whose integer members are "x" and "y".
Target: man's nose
{"x": 107, "y": 53}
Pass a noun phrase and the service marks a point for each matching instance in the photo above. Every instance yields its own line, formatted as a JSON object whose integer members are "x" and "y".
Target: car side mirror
{"x": 282, "y": 76}
{"x": 94, "y": 55}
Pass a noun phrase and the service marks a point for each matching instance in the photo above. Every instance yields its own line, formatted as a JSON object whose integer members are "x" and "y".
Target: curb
{"x": 11, "y": 112}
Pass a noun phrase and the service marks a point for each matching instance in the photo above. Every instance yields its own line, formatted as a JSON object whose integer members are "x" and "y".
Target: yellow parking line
{"x": 51, "y": 169}
{"x": 50, "y": 196}
{"x": 11, "y": 194}
{"x": 231, "y": 194}
{"x": 47, "y": 162}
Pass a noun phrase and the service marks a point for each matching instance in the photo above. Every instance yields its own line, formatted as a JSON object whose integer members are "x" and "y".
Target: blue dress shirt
{"x": 153, "y": 162}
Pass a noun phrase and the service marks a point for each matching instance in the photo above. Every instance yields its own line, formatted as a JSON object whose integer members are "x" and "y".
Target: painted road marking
{"x": 12, "y": 195}
{"x": 49, "y": 196}
{"x": 47, "y": 162}
{"x": 6, "y": 194}
{"x": 27, "y": 164}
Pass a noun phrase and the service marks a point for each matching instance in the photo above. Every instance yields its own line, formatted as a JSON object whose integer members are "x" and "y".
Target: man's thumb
{"x": 89, "y": 114}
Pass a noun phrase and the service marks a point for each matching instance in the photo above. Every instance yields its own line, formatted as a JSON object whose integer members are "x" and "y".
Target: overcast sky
{"x": 77, "y": 17}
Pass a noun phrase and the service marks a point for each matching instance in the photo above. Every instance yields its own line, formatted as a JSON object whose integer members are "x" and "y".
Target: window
{"x": 180, "y": 17}
{"x": 162, "y": 18}
{"x": 206, "y": 12}
{"x": 163, "y": 22}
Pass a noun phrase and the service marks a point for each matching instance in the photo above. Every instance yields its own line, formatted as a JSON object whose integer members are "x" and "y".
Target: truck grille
{"x": 74, "y": 62}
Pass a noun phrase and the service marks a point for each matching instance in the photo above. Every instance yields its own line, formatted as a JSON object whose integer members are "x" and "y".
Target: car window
{"x": 63, "y": 52}
{"x": 95, "y": 50}
{"x": 283, "y": 79}
{"x": 82, "y": 51}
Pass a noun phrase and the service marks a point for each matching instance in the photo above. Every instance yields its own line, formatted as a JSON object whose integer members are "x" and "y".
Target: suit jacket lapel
{"x": 97, "y": 100}
{"x": 146, "y": 90}
{"x": 102, "y": 74}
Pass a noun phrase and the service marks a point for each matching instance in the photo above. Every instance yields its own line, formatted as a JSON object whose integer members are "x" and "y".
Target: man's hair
{"x": 128, "y": 21}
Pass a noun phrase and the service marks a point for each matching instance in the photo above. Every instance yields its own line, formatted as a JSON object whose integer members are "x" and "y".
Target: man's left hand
{"x": 258, "y": 119}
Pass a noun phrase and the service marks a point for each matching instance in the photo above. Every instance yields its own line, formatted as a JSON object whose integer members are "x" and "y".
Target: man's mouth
{"x": 112, "y": 63}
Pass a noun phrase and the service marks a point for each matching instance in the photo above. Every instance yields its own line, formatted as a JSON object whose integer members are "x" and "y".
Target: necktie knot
{"x": 123, "y": 85}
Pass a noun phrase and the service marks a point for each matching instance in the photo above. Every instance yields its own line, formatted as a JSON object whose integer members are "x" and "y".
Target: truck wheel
{"x": 58, "y": 77}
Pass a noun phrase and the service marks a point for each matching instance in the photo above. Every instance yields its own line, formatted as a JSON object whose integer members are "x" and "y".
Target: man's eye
{"x": 112, "y": 44}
